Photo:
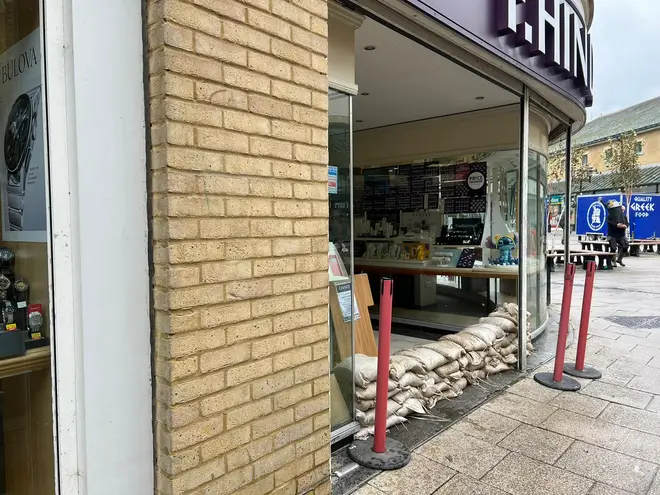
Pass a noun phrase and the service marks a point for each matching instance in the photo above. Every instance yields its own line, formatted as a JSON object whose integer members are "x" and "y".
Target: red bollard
{"x": 578, "y": 369}
{"x": 382, "y": 454}
{"x": 557, "y": 380}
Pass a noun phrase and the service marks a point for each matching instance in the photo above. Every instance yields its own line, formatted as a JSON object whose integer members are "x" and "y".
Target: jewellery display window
{"x": 26, "y": 404}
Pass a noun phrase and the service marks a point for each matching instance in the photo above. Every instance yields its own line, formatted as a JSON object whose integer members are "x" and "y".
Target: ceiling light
{"x": 480, "y": 98}
{"x": 370, "y": 48}
{"x": 365, "y": 94}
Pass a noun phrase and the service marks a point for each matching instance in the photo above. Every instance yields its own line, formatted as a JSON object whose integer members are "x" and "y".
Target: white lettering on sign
{"x": 643, "y": 198}
{"x": 643, "y": 207}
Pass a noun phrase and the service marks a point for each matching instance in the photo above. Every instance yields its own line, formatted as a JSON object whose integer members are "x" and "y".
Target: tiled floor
{"x": 602, "y": 440}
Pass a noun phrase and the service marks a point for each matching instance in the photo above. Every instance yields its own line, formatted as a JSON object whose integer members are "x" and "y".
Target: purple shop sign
{"x": 548, "y": 39}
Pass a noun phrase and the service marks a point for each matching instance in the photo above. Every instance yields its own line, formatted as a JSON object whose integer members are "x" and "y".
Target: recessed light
{"x": 359, "y": 121}
{"x": 365, "y": 94}
{"x": 370, "y": 48}
{"x": 480, "y": 98}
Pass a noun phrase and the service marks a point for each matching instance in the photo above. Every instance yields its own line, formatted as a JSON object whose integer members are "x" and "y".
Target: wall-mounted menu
{"x": 463, "y": 188}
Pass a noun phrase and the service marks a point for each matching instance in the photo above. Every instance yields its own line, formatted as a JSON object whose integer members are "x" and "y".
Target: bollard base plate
{"x": 395, "y": 456}
{"x": 588, "y": 372}
{"x": 566, "y": 384}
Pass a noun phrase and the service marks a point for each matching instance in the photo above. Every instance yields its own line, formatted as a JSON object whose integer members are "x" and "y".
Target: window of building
{"x": 585, "y": 159}
{"x": 608, "y": 154}
{"x": 639, "y": 147}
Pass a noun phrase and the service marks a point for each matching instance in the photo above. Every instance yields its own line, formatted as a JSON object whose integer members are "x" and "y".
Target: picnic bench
{"x": 636, "y": 246}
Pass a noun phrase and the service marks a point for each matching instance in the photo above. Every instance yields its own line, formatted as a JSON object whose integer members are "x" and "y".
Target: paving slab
{"x": 654, "y": 362}
{"x": 580, "y": 403}
{"x": 421, "y": 476}
{"x": 619, "y": 395}
{"x": 520, "y": 408}
{"x": 606, "y": 334}
{"x": 637, "y": 368}
{"x": 615, "y": 376}
{"x": 464, "y": 485}
{"x": 641, "y": 445}
{"x": 615, "y": 345}
{"x": 632, "y": 418}
{"x": 542, "y": 445}
{"x": 654, "y": 406}
{"x": 655, "y": 488}
{"x": 612, "y": 468}
{"x": 532, "y": 390}
{"x": 368, "y": 490}
{"x": 628, "y": 331}
{"x": 590, "y": 430}
{"x": 520, "y": 475}
{"x": 487, "y": 426}
{"x": 647, "y": 383}
{"x": 603, "y": 489}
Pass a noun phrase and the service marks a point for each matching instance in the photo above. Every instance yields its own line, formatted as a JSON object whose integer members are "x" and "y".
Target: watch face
{"x": 6, "y": 254}
{"x": 5, "y": 283}
{"x": 17, "y": 132}
{"x": 35, "y": 319}
{"x": 21, "y": 285}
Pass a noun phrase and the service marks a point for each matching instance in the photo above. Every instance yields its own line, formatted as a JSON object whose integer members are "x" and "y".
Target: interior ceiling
{"x": 408, "y": 82}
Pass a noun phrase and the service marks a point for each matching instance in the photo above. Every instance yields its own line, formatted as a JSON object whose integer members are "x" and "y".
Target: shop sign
{"x": 332, "y": 180}
{"x": 476, "y": 180}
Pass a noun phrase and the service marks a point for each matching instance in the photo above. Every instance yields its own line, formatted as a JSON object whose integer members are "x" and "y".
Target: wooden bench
{"x": 635, "y": 246}
{"x": 603, "y": 258}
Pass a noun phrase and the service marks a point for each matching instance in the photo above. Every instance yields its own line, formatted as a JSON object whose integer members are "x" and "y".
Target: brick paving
{"x": 530, "y": 440}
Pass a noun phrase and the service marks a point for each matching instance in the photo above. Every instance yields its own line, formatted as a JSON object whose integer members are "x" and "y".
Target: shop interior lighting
{"x": 370, "y": 48}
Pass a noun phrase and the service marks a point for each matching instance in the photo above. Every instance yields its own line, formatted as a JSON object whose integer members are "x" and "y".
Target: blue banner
{"x": 644, "y": 216}
{"x": 592, "y": 214}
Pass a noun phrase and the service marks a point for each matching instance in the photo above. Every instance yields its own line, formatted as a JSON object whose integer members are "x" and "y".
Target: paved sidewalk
{"x": 531, "y": 440}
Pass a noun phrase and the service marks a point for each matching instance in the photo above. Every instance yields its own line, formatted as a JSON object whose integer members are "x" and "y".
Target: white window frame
{"x": 641, "y": 147}
{"x": 102, "y": 396}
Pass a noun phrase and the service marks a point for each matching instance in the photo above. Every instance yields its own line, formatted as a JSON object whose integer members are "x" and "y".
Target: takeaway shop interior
{"x": 427, "y": 159}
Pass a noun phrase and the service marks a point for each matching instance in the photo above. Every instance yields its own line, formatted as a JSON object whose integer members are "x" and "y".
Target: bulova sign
{"x": 554, "y": 31}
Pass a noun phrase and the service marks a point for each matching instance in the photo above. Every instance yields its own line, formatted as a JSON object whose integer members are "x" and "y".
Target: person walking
{"x": 617, "y": 223}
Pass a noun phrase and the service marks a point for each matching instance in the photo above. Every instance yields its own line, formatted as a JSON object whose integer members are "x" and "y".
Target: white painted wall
{"x": 99, "y": 233}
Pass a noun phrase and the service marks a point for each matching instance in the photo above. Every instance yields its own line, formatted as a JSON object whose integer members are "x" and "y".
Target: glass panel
{"x": 27, "y": 466}
{"x": 340, "y": 259}
{"x": 536, "y": 267}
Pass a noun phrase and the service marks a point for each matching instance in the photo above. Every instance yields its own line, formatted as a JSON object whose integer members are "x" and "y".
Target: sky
{"x": 626, "y": 40}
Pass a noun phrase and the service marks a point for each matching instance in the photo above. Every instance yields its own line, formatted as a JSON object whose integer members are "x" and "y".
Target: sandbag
{"x": 434, "y": 389}
{"x": 467, "y": 341}
{"x": 511, "y": 349}
{"x": 369, "y": 392}
{"x": 482, "y": 333}
{"x": 429, "y": 358}
{"x": 404, "y": 395}
{"x": 493, "y": 369}
{"x": 504, "y": 323}
{"x": 459, "y": 385}
{"x": 365, "y": 432}
{"x": 448, "y": 349}
{"x": 411, "y": 406}
{"x": 368, "y": 418}
{"x": 365, "y": 405}
{"x": 463, "y": 362}
{"x": 365, "y": 370}
{"x": 475, "y": 361}
{"x": 401, "y": 364}
{"x": 475, "y": 376}
{"x": 447, "y": 369}
{"x": 411, "y": 380}
{"x": 510, "y": 359}
{"x": 454, "y": 377}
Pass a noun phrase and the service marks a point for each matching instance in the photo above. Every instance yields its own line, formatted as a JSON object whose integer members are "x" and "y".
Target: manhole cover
{"x": 636, "y": 321}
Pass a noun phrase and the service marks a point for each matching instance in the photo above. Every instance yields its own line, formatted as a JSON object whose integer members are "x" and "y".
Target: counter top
{"x": 413, "y": 267}
{"x": 33, "y": 360}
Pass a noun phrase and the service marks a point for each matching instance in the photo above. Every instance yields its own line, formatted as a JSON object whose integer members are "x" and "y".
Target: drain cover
{"x": 636, "y": 321}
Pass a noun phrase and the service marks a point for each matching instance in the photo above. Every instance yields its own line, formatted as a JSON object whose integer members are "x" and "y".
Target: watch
{"x": 35, "y": 320}
{"x": 20, "y": 134}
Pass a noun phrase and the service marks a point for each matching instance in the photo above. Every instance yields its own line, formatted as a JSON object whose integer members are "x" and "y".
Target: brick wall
{"x": 238, "y": 102}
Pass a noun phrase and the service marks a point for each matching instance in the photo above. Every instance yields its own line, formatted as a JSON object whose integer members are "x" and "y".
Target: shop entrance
{"x": 435, "y": 197}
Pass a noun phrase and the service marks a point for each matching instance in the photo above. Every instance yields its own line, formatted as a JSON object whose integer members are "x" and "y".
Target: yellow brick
{"x": 285, "y": 247}
{"x": 273, "y": 266}
{"x": 320, "y": 280}
{"x": 320, "y": 350}
{"x": 310, "y": 191}
{"x": 314, "y": 42}
{"x": 223, "y": 228}
{"x": 225, "y": 400}
{"x": 176, "y": 85}
{"x": 177, "y": 36}
{"x": 251, "y": 207}
{"x": 243, "y": 35}
{"x": 294, "y": 283}
{"x": 320, "y": 101}
{"x": 192, "y": 65}
{"x": 270, "y": 228}
{"x": 272, "y": 345}
{"x": 270, "y": 107}
{"x": 193, "y": 159}
{"x": 222, "y": 50}
{"x": 193, "y": 17}
{"x": 196, "y": 477}
{"x": 247, "y": 413}
{"x": 312, "y": 298}
{"x": 291, "y": 92}
{"x": 250, "y": 248}
{"x": 196, "y": 388}
{"x": 312, "y": 263}
{"x": 292, "y": 170}
{"x": 182, "y": 321}
{"x": 224, "y": 443}
{"x": 178, "y": 462}
{"x": 179, "y": 134}
{"x": 290, "y": 131}
{"x": 228, "y": 484}
{"x": 226, "y": 8}
{"x": 221, "y": 96}
{"x": 310, "y": 154}
{"x": 292, "y": 396}
{"x": 261, "y": 487}
{"x": 291, "y": 13}
{"x": 218, "y": 139}
{"x": 271, "y": 147}
{"x": 191, "y": 206}
{"x": 247, "y": 331}
{"x": 248, "y": 289}
{"x": 322, "y": 455}
{"x": 246, "y": 122}
{"x": 310, "y": 116}
{"x": 248, "y": 372}
{"x": 311, "y": 334}
{"x": 274, "y": 461}
{"x": 319, "y": 65}
{"x": 313, "y": 478}
{"x": 272, "y": 306}
{"x": 269, "y": 24}
{"x": 183, "y": 276}
{"x": 193, "y": 113}
{"x": 272, "y": 384}
{"x": 215, "y": 360}
{"x": 292, "y": 358}
{"x": 322, "y": 421}
{"x": 311, "y": 370}
{"x": 304, "y": 228}
{"x": 187, "y": 343}
{"x": 182, "y": 368}
{"x": 321, "y": 209}
{"x": 316, "y": 7}
{"x": 295, "y": 432}
{"x": 293, "y": 320}
{"x": 291, "y": 52}
{"x": 224, "y": 271}
{"x": 178, "y": 416}
{"x": 311, "y": 407}
{"x": 222, "y": 315}
{"x": 318, "y": 440}
{"x": 190, "y": 297}
{"x": 320, "y": 244}
{"x": 246, "y": 80}
{"x": 271, "y": 188}
{"x": 225, "y": 185}
{"x": 320, "y": 138}
{"x": 237, "y": 459}
{"x": 320, "y": 26}
{"x": 247, "y": 165}
{"x": 275, "y": 67}
{"x": 196, "y": 433}
{"x": 292, "y": 209}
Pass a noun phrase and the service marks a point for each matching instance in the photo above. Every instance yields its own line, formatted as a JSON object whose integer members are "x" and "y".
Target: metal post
{"x": 523, "y": 228}
{"x": 568, "y": 197}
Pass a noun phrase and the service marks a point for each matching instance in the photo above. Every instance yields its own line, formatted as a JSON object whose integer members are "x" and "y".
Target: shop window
{"x": 639, "y": 147}
{"x": 608, "y": 154}
{"x": 585, "y": 159}
{"x": 27, "y": 465}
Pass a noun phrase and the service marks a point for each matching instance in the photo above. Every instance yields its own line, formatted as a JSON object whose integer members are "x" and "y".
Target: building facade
{"x": 205, "y": 174}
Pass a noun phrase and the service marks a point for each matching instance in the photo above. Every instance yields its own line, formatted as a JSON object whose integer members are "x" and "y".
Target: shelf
{"x": 33, "y": 360}
{"x": 392, "y": 239}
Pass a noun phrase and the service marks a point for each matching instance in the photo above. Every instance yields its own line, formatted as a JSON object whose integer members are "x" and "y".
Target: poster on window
{"x": 22, "y": 167}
